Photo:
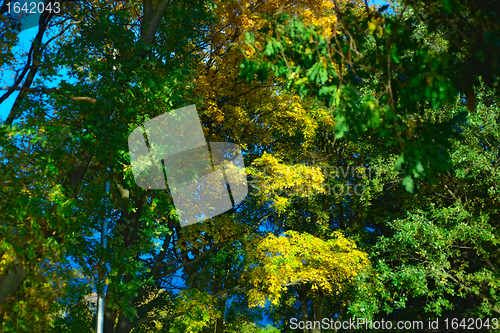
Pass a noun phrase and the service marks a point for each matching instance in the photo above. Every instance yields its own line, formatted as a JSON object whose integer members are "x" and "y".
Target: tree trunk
{"x": 11, "y": 281}
{"x": 219, "y": 326}
{"x": 9, "y": 284}
{"x": 303, "y": 306}
{"x": 109, "y": 314}
{"x": 124, "y": 324}
{"x": 347, "y": 306}
{"x": 339, "y": 317}
{"x": 318, "y": 315}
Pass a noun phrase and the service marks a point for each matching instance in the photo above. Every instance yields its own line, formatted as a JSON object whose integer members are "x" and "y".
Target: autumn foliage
{"x": 370, "y": 136}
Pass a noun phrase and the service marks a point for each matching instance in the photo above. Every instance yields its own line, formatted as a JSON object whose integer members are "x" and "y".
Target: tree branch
{"x": 175, "y": 315}
{"x": 164, "y": 317}
{"x": 52, "y": 90}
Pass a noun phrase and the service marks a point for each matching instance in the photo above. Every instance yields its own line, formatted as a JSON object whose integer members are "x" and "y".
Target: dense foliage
{"x": 371, "y": 140}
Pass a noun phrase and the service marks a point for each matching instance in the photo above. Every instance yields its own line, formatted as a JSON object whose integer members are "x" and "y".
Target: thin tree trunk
{"x": 318, "y": 315}
{"x": 339, "y": 317}
{"x": 347, "y": 306}
{"x": 124, "y": 324}
{"x": 303, "y": 306}
{"x": 109, "y": 314}
{"x": 33, "y": 63}
{"x": 219, "y": 326}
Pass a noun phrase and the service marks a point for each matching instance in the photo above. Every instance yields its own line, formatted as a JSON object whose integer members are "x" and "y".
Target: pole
{"x": 100, "y": 300}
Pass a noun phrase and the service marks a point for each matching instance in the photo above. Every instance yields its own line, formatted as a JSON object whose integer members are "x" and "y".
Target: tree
{"x": 406, "y": 80}
{"x": 66, "y": 137}
{"x": 312, "y": 266}
{"x": 440, "y": 256}
{"x": 339, "y": 63}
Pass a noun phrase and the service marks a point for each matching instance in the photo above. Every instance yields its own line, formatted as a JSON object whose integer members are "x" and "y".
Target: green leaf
{"x": 408, "y": 183}
{"x": 399, "y": 161}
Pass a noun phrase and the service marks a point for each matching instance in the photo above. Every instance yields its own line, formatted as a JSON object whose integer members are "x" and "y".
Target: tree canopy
{"x": 370, "y": 136}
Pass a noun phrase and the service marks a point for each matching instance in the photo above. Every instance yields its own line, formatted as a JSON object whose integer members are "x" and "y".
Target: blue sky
{"x": 6, "y": 76}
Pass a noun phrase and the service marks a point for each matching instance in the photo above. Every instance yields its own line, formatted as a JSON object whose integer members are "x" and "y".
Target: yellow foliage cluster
{"x": 278, "y": 181}
{"x": 255, "y": 110}
{"x": 376, "y": 25}
{"x": 316, "y": 12}
{"x": 294, "y": 258}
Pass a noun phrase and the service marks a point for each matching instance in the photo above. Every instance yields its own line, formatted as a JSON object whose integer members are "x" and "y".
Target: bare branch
{"x": 52, "y": 90}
